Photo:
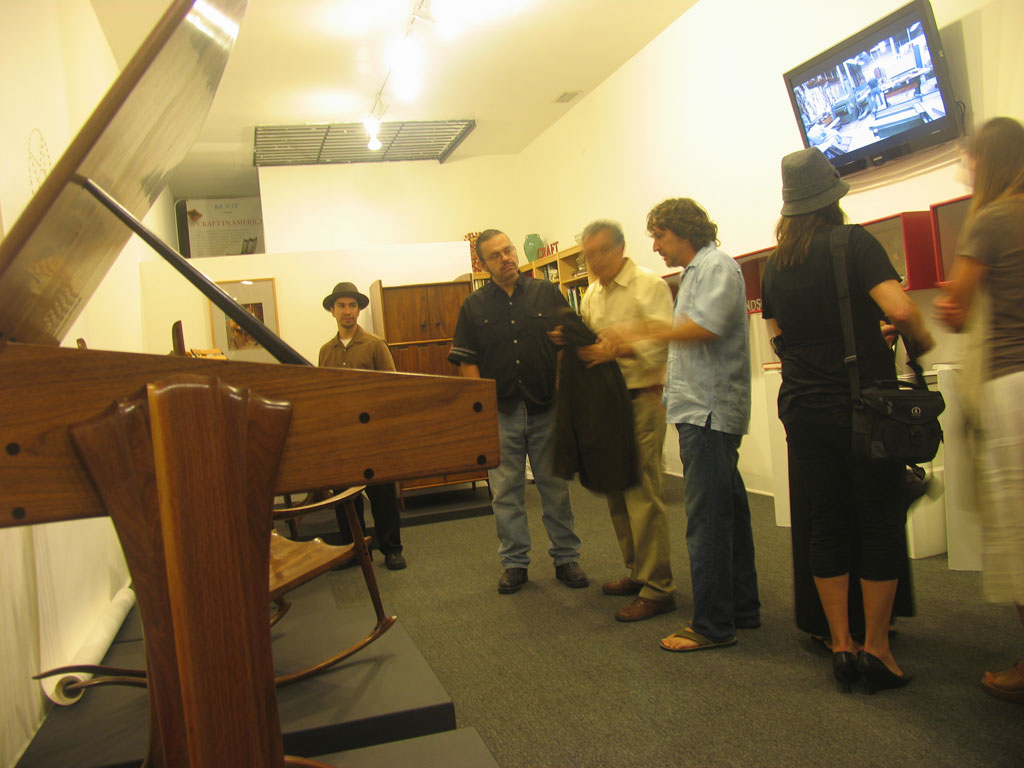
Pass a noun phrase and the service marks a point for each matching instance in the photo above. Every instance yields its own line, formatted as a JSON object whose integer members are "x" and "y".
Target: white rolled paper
{"x": 93, "y": 649}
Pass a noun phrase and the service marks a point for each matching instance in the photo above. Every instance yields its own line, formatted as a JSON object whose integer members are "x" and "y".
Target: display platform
{"x": 462, "y": 748}
{"x": 384, "y": 693}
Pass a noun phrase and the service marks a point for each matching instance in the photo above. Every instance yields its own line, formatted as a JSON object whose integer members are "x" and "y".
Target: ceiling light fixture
{"x": 421, "y": 11}
{"x": 407, "y": 68}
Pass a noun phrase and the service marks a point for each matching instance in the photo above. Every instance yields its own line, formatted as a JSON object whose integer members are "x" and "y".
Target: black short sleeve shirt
{"x": 802, "y": 299}
{"x": 506, "y": 336}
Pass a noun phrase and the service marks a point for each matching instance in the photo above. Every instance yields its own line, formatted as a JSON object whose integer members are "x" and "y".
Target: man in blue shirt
{"x": 707, "y": 397}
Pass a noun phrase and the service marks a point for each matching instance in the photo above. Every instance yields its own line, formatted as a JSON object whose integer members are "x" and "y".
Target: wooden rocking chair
{"x": 292, "y": 564}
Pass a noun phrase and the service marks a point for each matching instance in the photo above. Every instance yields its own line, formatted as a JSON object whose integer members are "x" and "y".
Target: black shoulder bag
{"x": 895, "y": 420}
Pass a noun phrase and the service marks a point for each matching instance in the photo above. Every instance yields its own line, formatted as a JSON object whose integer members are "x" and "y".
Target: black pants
{"x": 386, "y": 523}
{"x": 856, "y": 507}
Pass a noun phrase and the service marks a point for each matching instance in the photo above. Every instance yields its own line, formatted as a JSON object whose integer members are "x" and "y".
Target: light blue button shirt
{"x": 711, "y": 377}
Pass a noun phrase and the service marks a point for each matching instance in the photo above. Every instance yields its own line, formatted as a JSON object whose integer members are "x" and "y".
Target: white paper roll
{"x": 93, "y": 649}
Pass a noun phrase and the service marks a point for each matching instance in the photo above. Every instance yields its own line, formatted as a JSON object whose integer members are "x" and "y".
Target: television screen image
{"x": 879, "y": 94}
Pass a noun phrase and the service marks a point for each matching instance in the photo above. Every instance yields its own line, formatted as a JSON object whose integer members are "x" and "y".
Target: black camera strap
{"x": 838, "y": 240}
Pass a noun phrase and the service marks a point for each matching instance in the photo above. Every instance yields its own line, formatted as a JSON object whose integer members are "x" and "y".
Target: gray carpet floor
{"x": 549, "y": 678}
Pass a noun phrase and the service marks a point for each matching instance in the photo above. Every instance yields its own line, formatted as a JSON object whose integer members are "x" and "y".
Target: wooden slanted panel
{"x": 64, "y": 242}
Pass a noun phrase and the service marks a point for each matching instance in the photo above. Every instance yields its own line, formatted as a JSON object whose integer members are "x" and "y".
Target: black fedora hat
{"x": 345, "y": 290}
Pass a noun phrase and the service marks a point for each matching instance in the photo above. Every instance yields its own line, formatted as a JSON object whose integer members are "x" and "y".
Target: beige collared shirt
{"x": 635, "y": 297}
{"x": 364, "y": 351}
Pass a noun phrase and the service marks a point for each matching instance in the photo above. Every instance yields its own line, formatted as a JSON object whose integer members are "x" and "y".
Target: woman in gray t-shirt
{"x": 986, "y": 297}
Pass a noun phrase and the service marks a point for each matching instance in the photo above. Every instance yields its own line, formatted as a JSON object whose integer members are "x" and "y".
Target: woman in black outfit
{"x": 856, "y": 506}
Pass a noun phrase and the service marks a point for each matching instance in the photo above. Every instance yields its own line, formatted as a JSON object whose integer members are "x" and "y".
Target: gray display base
{"x": 386, "y": 692}
{"x": 450, "y": 749}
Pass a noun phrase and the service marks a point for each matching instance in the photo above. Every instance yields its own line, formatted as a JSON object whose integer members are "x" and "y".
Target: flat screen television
{"x": 879, "y": 94}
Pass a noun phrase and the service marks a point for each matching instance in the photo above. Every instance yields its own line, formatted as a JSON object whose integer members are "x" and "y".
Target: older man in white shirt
{"x": 627, "y": 295}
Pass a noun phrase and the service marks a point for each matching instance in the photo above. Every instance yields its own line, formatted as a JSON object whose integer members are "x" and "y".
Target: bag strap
{"x": 838, "y": 240}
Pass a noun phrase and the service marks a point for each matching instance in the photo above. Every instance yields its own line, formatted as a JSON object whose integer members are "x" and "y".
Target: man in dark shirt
{"x": 352, "y": 347}
{"x": 502, "y": 335}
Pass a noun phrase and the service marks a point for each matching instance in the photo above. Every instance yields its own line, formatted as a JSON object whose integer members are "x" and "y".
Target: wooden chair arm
{"x": 284, "y": 513}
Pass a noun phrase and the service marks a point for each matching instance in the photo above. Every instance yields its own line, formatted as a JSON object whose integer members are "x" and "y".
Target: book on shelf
{"x": 574, "y": 295}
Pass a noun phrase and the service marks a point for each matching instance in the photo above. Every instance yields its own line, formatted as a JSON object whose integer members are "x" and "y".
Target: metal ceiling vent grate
{"x": 327, "y": 143}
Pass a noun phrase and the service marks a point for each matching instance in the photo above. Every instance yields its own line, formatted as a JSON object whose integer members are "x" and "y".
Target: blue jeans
{"x": 718, "y": 534}
{"x": 521, "y": 435}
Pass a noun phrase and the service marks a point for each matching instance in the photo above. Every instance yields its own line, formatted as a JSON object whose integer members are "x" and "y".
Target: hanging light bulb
{"x": 374, "y": 143}
{"x": 371, "y": 124}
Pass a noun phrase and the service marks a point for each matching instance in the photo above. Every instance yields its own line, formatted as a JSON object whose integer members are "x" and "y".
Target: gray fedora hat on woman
{"x": 345, "y": 290}
{"x": 809, "y": 182}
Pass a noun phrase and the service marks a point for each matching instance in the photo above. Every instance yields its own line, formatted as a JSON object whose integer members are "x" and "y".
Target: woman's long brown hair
{"x": 997, "y": 150}
{"x": 793, "y": 234}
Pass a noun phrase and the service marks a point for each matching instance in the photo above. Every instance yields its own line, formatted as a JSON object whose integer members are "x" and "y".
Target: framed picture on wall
{"x": 259, "y": 298}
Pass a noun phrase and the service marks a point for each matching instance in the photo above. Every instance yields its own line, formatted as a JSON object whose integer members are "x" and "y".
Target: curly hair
{"x": 684, "y": 218}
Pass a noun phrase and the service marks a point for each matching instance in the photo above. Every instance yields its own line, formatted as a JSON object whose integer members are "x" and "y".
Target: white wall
{"x": 319, "y": 208}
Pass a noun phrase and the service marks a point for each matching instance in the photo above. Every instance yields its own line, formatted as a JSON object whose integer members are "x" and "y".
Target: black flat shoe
{"x": 877, "y": 676}
{"x": 844, "y": 667}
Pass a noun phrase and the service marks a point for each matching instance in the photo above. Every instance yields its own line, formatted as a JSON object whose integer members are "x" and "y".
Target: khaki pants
{"x": 638, "y": 515}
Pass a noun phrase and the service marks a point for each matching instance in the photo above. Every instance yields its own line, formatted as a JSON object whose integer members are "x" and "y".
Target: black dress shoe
{"x": 571, "y": 575}
{"x": 877, "y": 676}
{"x": 844, "y": 667}
{"x": 394, "y": 561}
{"x": 512, "y": 580}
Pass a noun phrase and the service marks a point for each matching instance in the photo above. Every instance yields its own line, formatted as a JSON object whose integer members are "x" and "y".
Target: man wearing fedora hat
{"x": 353, "y": 347}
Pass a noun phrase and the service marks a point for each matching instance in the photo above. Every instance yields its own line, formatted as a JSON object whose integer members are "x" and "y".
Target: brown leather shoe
{"x": 641, "y": 608}
{"x": 512, "y": 580}
{"x": 624, "y": 586}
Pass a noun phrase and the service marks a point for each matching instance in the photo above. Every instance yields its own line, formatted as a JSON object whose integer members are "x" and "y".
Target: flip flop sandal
{"x": 1007, "y": 685}
{"x": 703, "y": 643}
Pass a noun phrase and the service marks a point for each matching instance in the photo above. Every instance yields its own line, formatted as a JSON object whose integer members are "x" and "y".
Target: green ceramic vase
{"x": 531, "y": 245}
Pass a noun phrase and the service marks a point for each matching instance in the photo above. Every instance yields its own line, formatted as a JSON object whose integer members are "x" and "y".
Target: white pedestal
{"x": 778, "y": 447}
{"x": 963, "y": 524}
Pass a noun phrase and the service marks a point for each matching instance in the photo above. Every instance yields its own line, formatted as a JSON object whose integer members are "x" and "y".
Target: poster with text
{"x": 225, "y": 226}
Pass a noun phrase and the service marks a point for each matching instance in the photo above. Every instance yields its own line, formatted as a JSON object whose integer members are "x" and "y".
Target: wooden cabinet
{"x": 424, "y": 312}
{"x": 430, "y": 357}
{"x": 418, "y": 323}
